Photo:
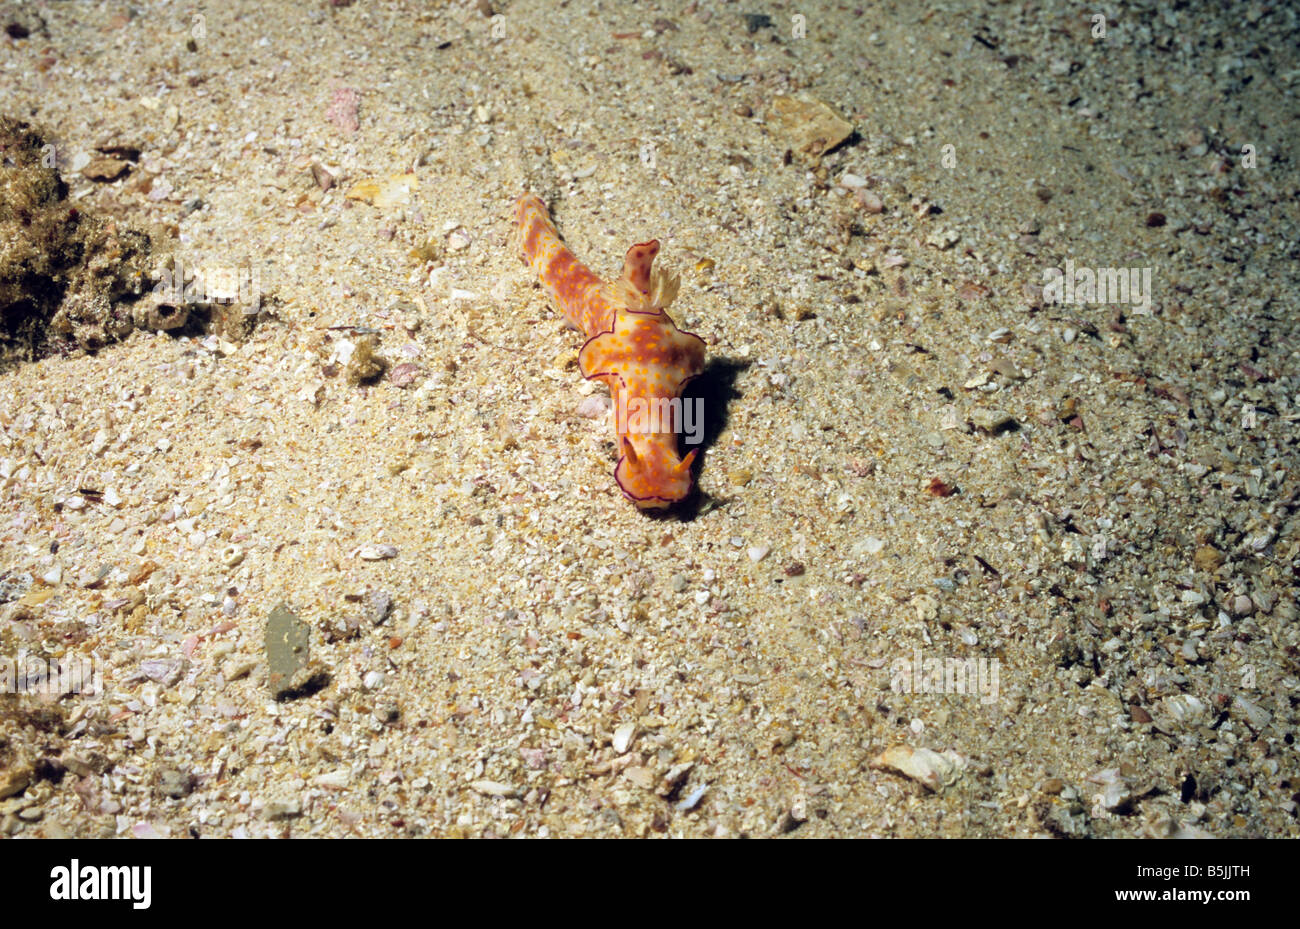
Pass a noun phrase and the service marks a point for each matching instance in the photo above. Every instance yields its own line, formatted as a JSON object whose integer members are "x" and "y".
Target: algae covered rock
{"x": 68, "y": 279}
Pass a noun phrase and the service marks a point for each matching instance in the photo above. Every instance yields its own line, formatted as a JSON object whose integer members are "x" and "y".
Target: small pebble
{"x": 237, "y": 668}
{"x": 693, "y": 799}
{"x": 623, "y": 737}
{"x": 640, "y": 776}
{"x": 992, "y": 422}
{"x": 494, "y": 789}
{"x": 870, "y": 202}
{"x": 594, "y": 406}
{"x": 377, "y": 552}
{"x": 335, "y": 780}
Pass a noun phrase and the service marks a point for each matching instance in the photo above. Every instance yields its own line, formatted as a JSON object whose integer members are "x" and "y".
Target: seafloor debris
{"x": 292, "y": 673}
{"x": 364, "y": 364}
{"x": 72, "y": 280}
{"x": 385, "y": 192}
{"x": 925, "y": 766}
{"x": 15, "y": 775}
{"x": 342, "y": 111}
{"x": 992, "y": 422}
{"x": 809, "y": 126}
{"x": 105, "y": 168}
{"x": 67, "y": 278}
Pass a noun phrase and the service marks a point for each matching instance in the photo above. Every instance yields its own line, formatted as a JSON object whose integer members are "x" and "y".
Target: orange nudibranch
{"x": 632, "y": 346}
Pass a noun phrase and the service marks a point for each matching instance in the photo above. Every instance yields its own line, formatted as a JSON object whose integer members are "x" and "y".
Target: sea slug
{"x": 633, "y": 347}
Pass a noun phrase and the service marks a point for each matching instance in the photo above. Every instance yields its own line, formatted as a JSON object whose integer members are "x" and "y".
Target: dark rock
{"x": 292, "y": 673}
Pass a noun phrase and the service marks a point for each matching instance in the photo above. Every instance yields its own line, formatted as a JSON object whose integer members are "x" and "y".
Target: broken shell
{"x": 623, "y": 737}
{"x": 385, "y": 193}
{"x": 1181, "y": 712}
{"x": 929, "y": 768}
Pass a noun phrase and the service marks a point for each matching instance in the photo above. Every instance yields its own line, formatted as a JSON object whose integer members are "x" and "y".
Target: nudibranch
{"x": 633, "y": 347}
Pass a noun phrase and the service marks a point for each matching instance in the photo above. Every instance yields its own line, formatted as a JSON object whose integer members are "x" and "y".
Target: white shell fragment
{"x": 623, "y": 737}
{"x": 494, "y": 789}
{"x": 693, "y": 800}
{"x": 929, "y": 768}
{"x": 376, "y": 552}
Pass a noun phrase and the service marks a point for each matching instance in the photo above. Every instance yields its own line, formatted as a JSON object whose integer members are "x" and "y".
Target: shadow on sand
{"x": 716, "y": 387}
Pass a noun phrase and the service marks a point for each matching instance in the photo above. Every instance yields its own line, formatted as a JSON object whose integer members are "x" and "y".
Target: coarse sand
{"x": 975, "y": 553}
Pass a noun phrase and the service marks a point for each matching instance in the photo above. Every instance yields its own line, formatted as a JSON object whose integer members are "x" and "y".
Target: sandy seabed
{"x": 965, "y": 560}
